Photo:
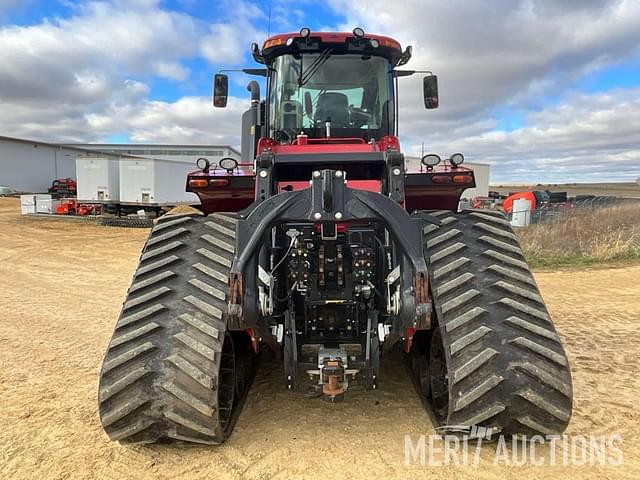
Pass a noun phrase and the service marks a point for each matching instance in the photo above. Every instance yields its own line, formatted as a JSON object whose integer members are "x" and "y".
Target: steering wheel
{"x": 359, "y": 116}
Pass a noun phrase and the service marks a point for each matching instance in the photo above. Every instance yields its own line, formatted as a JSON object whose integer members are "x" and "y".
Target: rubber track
{"x": 127, "y": 222}
{"x": 158, "y": 379}
{"x": 506, "y": 366}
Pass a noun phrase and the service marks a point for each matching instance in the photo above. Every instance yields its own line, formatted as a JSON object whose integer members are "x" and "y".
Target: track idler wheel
{"x": 227, "y": 382}
{"x": 437, "y": 381}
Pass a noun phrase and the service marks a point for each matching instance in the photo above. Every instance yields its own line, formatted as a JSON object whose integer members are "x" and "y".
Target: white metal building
{"x": 31, "y": 166}
{"x": 175, "y": 153}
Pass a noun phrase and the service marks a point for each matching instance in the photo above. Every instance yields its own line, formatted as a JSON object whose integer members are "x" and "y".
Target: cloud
{"x": 171, "y": 70}
{"x": 504, "y": 51}
{"x": 87, "y": 76}
{"x": 84, "y": 59}
{"x": 78, "y": 78}
{"x": 187, "y": 120}
{"x": 228, "y": 42}
{"x": 513, "y": 55}
{"x": 594, "y": 137}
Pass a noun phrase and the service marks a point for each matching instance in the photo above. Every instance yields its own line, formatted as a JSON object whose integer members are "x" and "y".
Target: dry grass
{"x": 585, "y": 237}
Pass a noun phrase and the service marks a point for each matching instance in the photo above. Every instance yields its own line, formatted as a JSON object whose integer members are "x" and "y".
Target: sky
{"x": 543, "y": 90}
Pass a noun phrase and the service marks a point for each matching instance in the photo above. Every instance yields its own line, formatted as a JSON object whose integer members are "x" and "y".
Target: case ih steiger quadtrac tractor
{"x": 323, "y": 247}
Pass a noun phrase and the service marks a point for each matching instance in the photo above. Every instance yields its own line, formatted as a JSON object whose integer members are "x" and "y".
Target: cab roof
{"x": 340, "y": 42}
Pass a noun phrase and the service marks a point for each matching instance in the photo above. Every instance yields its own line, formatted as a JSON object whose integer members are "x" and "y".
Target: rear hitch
{"x": 332, "y": 364}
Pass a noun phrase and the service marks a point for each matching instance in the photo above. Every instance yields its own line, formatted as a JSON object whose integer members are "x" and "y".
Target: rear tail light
{"x": 198, "y": 182}
{"x": 441, "y": 179}
{"x": 462, "y": 179}
{"x": 219, "y": 182}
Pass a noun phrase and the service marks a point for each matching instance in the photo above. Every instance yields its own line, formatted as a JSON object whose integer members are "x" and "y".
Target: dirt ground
{"x": 61, "y": 287}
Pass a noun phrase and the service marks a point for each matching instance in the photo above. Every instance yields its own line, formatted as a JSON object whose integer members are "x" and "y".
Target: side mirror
{"x": 308, "y": 104}
{"x": 430, "y": 91}
{"x": 255, "y": 52}
{"x": 220, "y": 90}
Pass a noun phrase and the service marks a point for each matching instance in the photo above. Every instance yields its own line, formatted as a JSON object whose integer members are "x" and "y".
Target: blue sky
{"x": 542, "y": 90}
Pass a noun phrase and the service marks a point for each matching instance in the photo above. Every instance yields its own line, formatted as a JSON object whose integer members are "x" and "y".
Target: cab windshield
{"x": 351, "y": 92}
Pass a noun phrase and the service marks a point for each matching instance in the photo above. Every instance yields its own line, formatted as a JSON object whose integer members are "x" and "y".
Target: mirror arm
{"x": 260, "y": 72}
{"x": 408, "y": 73}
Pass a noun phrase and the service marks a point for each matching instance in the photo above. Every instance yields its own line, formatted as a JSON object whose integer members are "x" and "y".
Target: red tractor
{"x": 324, "y": 248}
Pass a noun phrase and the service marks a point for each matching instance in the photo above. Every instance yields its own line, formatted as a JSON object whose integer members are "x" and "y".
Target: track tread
{"x": 464, "y": 318}
{"x": 159, "y": 379}
{"x": 220, "y": 228}
{"x": 506, "y": 260}
{"x": 166, "y": 236}
{"x": 108, "y": 390}
{"x": 490, "y": 229}
{"x": 127, "y": 356}
{"x": 146, "y": 298}
{"x": 126, "y": 320}
{"x": 170, "y": 222}
{"x": 455, "y": 283}
{"x": 220, "y": 242}
{"x": 151, "y": 280}
{"x": 161, "y": 250}
{"x": 507, "y": 368}
{"x": 119, "y": 339}
{"x": 463, "y": 342}
{"x": 150, "y": 267}
{"x": 450, "y": 267}
{"x": 194, "y": 372}
{"x": 478, "y": 391}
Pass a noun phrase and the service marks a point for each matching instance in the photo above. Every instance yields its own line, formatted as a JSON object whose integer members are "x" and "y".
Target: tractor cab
{"x": 323, "y": 87}
{"x": 330, "y": 96}
{"x": 330, "y": 86}
{"x": 331, "y": 100}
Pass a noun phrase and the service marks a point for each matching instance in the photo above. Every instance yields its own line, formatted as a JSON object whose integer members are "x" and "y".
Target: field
{"x": 61, "y": 288}
{"x": 584, "y": 237}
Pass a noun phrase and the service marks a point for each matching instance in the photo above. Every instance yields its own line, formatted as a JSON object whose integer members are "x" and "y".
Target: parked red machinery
{"x": 322, "y": 246}
{"x": 66, "y": 207}
{"x": 507, "y": 205}
{"x": 63, "y": 187}
{"x": 69, "y": 206}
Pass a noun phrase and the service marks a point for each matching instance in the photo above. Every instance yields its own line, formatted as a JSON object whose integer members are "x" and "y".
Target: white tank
{"x": 521, "y": 214}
